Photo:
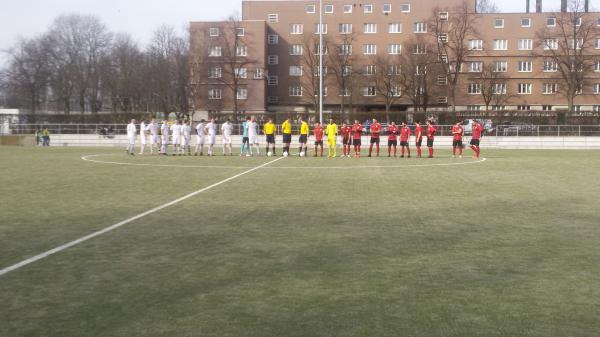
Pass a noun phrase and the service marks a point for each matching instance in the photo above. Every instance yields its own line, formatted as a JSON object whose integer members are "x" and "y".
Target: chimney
{"x": 563, "y": 6}
{"x": 527, "y": 6}
{"x": 587, "y": 6}
{"x": 538, "y": 6}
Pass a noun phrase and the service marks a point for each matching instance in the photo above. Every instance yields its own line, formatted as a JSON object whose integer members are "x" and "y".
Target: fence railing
{"x": 522, "y": 130}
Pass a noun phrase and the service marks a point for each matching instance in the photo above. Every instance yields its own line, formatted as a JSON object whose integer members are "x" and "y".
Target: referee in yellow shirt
{"x": 269, "y": 130}
{"x": 304, "y": 130}
{"x": 331, "y": 131}
{"x": 286, "y": 130}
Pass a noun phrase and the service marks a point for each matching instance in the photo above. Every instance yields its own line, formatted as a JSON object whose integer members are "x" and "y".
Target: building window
{"x": 273, "y": 18}
{"x": 241, "y": 51}
{"x": 421, "y": 69}
{"x": 525, "y": 22}
{"x": 387, "y": 8}
{"x": 550, "y": 44}
{"x": 295, "y": 91}
{"x": 550, "y": 22}
{"x": 240, "y": 72}
{"x": 525, "y": 44}
{"x": 295, "y": 71}
{"x": 369, "y": 91}
{"x": 523, "y": 107}
{"x": 475, "y": 67}
{"x": 443, "y": 37}
{"x": 214, "y": 93}
{"x": 345, "y": 28}
{"x": 419, "y": 48}
{"x": 273, "y": 80}
{"x": 273, "y": 99}
{"x": 550, "y": 66}
{"x": 443, "y": 16}
{"x": 240, "y": 31}
{"x": 597, "y": 44}
{"x": 525, "y": 66}
{"x": 394, "y": 69}
{"x": 499, "y": 88}
{"x": 273, "y": 39}
{"x": 443, "y": 58}
{"x": 368, "y": 9}
{"x": 316, "y": 70}
{"x": 442, "y": 99}
{"x": 317, "y": 49}
{"x": 474, "y": 88}
{"x": 345, "y": 49}
{"x": 347, "y": 71}
{"x": 324, "y": 91}
{"x": 320, "y": 28}
{"x": 597, "y": 66}
{"x": 577, "y": 21}
{"x": 370, "y": 28}
{"x": 259, "y": 74}
{"x": 296, "y": 28}
{"x": 596, "y": 108}
{"x": 395, "y": 28}
{"x": 310, "y": 9}
{"x": 499, "y": 23}
{"x": 273, "y": 59}
{"x": 348, "y": 9}
{"x": 500, "y": 66}
{"x": 596, "y": 88}
{"x": 475, "y": 44}
{"x": 405, "y": 8}
{"x": 500, "y": 44}
{"x": 215, "y": 72}
{"x": 442, "y": 80}
{"x": 524, "y": 88}
{"x": 394, "y": 49}
{"x": 215, "y": 51}
{"x": 549, "y": 88}
{"x": 370, "y": 70}
{"x": 546, "y": 107}
{"x": 344, "y": 92}
{"x": 396, "y": 91}
{"x": 420, "y": 27}
{"x": 242, "y": 93}
{"x": 370, "y": 49}
{"x": 598, "y": 22}
{"x": 473, "y": 107}
{"x": 296, "y": 49}
{"x": 213, "y": 31}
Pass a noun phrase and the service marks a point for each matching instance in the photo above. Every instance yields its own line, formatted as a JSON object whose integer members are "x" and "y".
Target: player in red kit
{"x": 457, "y": 135}
{"x": 375, "y": 131}
{"x": 392, "y": 138}
{"x": 346, "y": 139}
{"x": 404, "y": 136}
{"x": 477, "y": 131}
{"x": 418, "y": 138}
{"x": 318, "y": 133}
{"x": 431, "y": 130}
{"x": 357, "y": 130}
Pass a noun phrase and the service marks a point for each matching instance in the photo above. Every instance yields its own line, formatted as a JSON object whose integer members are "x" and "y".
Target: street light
{"x": 321, "y": 61}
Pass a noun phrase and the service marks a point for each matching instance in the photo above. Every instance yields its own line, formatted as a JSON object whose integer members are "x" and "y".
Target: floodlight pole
{"x": 321, "y": 61}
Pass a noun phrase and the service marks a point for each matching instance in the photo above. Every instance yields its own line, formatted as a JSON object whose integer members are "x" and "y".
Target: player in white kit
{"x": 152, "y": 128}
{"x": 176, "y": 137}
{"x": 200, "y": 134}
{"x": 226, "y": 130}
{"x": 186, "y": 130}
{"x": 131, "y": 135}
{"x": 211, "y": 131}
{"x": 143, "y": 137}
{"x": 164, "y": 137}
{"x": 253, "y": 137}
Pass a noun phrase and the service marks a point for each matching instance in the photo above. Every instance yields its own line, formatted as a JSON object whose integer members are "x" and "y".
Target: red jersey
{"x": 477, "y": 130}
{"x": 419, "y": 133}
{"x": 457, "y": 132}
{"x": 404, "y": 134}
{"x": 318, "y": 132}
{"x": 375, "y": 130}
{"x": 392, "y": 132}
{"x": 346, "y": 131}
{"x": 431, "y": 130}
{"x": 357, "y": 131}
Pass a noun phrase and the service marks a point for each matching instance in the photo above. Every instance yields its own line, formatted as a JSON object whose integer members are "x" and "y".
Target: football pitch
{"x": 236, "y": 246}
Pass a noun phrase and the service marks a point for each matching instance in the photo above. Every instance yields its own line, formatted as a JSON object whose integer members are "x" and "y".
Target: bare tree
{"x": 420, "y": 70}
{"x": 388, "y": 80}
{"x": 487, "y": 6}
{"x": 568, "y": 47}
{"x": 342, "y": 64}
{"x": 309, "y": 71}
{"x": 452, "y": 28}
{"x": 492, "y": 84}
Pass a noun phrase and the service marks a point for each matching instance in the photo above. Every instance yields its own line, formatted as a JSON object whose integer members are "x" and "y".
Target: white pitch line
{"x": 87, "y": 158}
{"x": 124, "y": 222}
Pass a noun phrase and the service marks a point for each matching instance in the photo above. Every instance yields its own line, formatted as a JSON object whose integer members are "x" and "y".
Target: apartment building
{"x": 514, "y": 54}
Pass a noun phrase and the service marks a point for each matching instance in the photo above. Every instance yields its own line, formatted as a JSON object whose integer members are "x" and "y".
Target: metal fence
{"x": 108, "y": 130}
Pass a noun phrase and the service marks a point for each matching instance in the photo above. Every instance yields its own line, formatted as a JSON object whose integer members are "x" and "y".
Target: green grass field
{"x": 301, "y": 247}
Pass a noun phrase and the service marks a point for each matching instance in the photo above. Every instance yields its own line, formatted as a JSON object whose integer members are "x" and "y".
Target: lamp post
{"x": 321, "y": 61}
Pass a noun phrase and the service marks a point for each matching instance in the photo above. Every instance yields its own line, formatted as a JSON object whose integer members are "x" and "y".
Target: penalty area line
{"x": 68, "y": 245}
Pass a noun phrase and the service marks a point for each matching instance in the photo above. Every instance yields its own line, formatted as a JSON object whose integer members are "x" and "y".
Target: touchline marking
{"x": 87, "y": 158}
{"x": 124, "y": 222}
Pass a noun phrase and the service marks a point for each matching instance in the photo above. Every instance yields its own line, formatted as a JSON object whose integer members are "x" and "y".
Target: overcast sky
{"x": 27, "y": 18}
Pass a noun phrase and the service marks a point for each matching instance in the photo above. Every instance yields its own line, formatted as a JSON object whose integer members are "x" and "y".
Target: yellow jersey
{"x": 304, "y": 128}
{"x": 332, "y": 131}
{"x": 269, "y": 128}
{"x": 286, "y": 127}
